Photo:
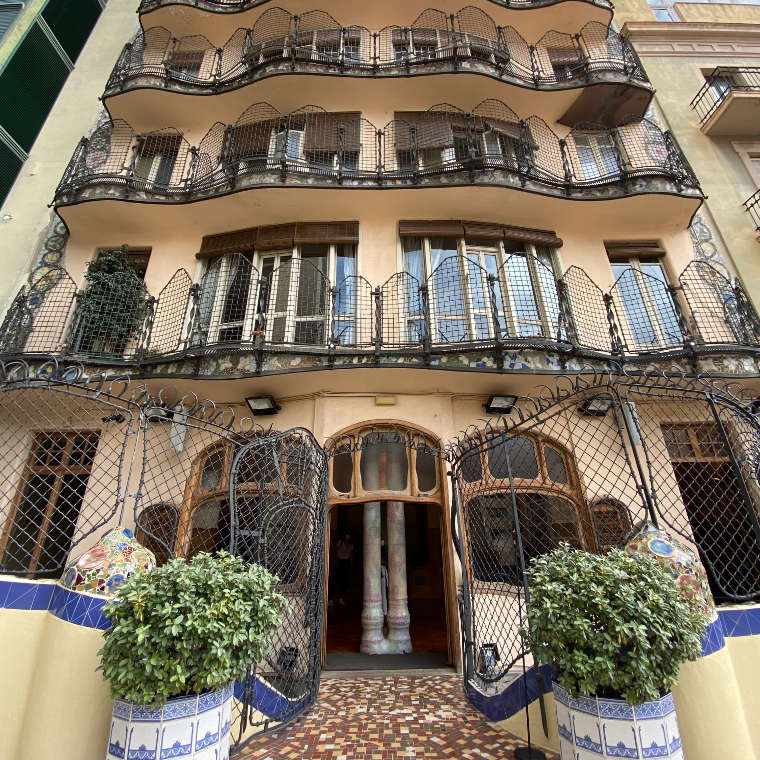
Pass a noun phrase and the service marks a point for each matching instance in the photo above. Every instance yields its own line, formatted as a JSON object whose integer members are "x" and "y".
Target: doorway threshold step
{"x": 386, "y": 662}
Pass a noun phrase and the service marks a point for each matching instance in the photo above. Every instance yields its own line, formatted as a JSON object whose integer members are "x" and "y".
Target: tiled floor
{"x": 387, "y": 718}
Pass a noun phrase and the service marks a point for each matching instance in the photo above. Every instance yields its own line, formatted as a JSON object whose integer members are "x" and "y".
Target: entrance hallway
{"x": 387, "y": 718}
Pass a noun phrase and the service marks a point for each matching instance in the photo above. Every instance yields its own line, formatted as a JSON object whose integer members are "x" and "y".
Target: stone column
{"x": 399, "y": 640}
{"x": 373, "y": 641}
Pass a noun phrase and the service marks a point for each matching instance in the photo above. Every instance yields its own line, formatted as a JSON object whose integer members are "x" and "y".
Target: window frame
{"x": 510, "y": 322}
{"x": 640, "y": 278}
{"x": 59, "y": 470}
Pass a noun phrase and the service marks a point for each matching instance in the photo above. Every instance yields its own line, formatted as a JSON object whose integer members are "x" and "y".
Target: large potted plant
{"x": 615, "y": 628}
{"x": 180, "y": 636}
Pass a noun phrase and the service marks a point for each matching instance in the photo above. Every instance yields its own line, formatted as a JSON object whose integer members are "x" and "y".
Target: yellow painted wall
{"x": 718, "y": 13}
{"x": 717, "y": 702}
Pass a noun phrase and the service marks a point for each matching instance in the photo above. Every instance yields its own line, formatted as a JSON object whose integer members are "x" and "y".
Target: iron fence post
{"x": 427, "y": 337}
{"x": 143, "y": 343}
{"x": 454, "y": 42}
{"x": 374, "y": 53}
{"x": 534, "y": 65}
{"x": 566, "y": 316}
{"x": 341, "y": 154}
{"x": 617, "y": 346}
{"x": 193, "y": 297}
{"x": 615, "y": 135}
{"x": 377, "y": 296}
{"x": 218, "y": 68}
{"x": 168, "y": 58}
{"x": 379, "y": 137}
{"x": 687, "y": 336}
{"x": 130, "y": 169}
{"x": 566, "y": 166}
{"x": 284, "y": 152}
{"x": 498, "y": 342}
{"x": 523, "y": 162}
{"x": 415, "y": 153}
{"x": 294, "y": 41}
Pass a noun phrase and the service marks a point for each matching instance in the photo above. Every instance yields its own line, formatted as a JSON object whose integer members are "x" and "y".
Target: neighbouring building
{"x": 438, "y": 271}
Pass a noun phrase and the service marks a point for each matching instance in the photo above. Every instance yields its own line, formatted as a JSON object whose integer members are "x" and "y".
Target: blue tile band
{"x": 71, "y": 606}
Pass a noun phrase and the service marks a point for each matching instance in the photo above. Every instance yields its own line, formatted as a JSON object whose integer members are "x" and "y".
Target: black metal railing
{"x": 752, "y": 207}
{"x": 490, "y": 145}
{"x": 470, "y": 40}
{"x": 723, "y": 81}
{"x": 236, "y": 6}
{"x": 460, "y": 306}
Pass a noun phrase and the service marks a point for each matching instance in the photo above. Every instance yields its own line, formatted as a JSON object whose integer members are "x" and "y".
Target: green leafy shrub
{"x": 187, "y": 626}
{"x": 610, "y": 622}
{"x": 113, "y": 306}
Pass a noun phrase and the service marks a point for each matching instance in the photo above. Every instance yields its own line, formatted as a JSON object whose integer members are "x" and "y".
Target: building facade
{"x": 449, "y": 253}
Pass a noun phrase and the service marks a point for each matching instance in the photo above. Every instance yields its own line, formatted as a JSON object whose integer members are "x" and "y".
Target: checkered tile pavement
{"x": 387, "y": 718}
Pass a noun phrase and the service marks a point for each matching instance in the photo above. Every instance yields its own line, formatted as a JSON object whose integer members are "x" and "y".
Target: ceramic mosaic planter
{"x": 192, "y": 728}
{"x": 591, "y": 728}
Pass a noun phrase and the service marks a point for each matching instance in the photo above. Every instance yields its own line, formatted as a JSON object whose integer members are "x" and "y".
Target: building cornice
{"x": 681, "y": 39}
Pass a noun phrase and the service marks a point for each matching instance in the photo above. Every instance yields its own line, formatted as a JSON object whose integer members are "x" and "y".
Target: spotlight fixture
{"x": 262, "y": 405}
{"x": 500, "y": 404}
{"x": 489, "y": 657}
{"x": 597, "y": 406}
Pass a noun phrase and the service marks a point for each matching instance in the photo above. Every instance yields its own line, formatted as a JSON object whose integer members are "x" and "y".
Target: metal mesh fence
{"x": 469, "y": 300}
{"x": 722, "y": 82}
{"x": 469, "y": 38}
{"x": 235, "y": 6}
{"x": 586, "y": 466}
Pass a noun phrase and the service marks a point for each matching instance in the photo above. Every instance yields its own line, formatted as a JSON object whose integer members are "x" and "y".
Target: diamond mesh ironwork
{"x": 264, "y": 146}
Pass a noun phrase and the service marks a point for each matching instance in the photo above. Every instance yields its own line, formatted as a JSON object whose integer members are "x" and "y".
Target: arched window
{"x": 612, "y": 523}
{"x": 384, "y": 459}
{"x": 547, "y": 498}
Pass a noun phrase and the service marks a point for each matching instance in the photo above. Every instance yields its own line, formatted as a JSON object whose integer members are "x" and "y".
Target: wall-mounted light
{"x": 500, "y": 404}
{"x": 262, "y": 405}
{"x": 597, "y": 406}
{"x": 488, "y": 657}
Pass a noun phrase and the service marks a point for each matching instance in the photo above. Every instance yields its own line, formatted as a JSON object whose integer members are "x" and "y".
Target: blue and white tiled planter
{"x": 193, "y": 727}
{"x": 591, "y": 728}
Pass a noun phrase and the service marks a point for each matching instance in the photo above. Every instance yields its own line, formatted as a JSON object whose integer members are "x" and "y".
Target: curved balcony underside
{"x": 218, "y": 21}
{"x": 439, "y": 148}
{"x": 476, "y": 322}
{"x": 596, "y": 59}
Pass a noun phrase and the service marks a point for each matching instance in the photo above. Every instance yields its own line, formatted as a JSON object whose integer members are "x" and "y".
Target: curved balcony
{"x": 295, "y": 309}
{"x": 218, "y": 21}
{"x": 442, "y": 147}
{"x": 469, "y": 42}
{"x": 752, "y": 207}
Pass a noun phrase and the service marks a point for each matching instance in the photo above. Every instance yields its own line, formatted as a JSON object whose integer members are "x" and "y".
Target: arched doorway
{"x": 390, "y": 590}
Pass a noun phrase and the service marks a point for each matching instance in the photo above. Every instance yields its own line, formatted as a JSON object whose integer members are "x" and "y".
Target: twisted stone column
{"x": 373, "y": 641}
{"x": 399, "y": 640}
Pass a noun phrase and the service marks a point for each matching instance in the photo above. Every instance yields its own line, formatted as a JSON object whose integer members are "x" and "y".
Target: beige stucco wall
{"x": 25, "y": 217}
{"x": 675, "y": 55}
{"x": 716, "y": 703}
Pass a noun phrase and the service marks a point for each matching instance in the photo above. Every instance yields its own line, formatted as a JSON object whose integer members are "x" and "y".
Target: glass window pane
{"x": 657, "y": 285}
{"x": 523, "y": 297}
{"x": 628, "y": 290}
{"x": 312, "y": 280}
{"x": 343, "y": 471}
{"x": 383, "y": 463}
{"x": 522, "y": 458}
{"x": 426, "y": 470}
{"x": 555, "y": 465}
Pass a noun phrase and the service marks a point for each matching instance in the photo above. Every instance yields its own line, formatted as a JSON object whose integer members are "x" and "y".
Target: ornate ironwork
{"x": 236, "y": 6}
{"x": 720, "y": 83}
{"x": 680, "y": 452}
{"x": 310, "y": 146}
{"x": 521, "y": 304}
{"x": 752, "y": 207}
{"x": 280, "y": 42}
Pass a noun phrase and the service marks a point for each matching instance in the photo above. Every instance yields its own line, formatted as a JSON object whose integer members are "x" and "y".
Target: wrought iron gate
{"x": 278, "y": 503}
{"x": 586, "y": 465}
{"x": 81, "y": 455}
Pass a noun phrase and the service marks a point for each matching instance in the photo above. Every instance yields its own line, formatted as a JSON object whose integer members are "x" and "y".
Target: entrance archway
{"x": 390, "y": 585}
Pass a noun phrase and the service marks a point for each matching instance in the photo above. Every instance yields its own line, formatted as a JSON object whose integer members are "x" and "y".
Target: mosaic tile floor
{"x": 387, "y": 718}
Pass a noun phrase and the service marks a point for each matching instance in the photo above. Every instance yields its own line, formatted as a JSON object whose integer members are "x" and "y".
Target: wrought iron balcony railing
{"x": 280, "y": 43}
{"x": 235, "y": 6}
{"x": 444, "y": 145}
{"x": 522, "y": 304}
{"x": 752, "y": 206}
{"x": 723, "y": 81}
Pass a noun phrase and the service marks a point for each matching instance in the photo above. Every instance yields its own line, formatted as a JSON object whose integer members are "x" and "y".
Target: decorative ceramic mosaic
{"x": 195, "y": 727}
{"x": 591, "y": 728}
{"x": 683, "y": 563}
{"x": 103, "y": 568}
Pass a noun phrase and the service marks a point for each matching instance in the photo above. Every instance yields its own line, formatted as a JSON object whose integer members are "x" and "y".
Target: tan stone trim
{"x": 680, "y": 39}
